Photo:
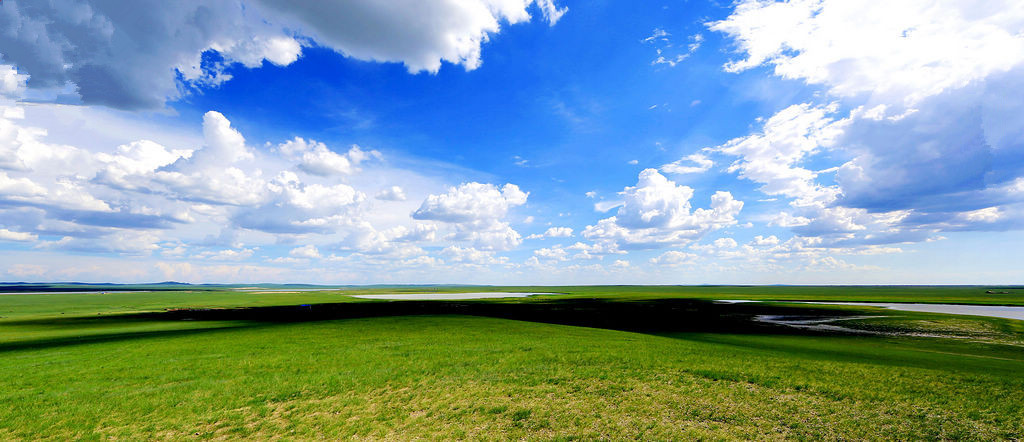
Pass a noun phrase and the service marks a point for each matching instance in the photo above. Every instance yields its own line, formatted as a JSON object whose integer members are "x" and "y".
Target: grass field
{"x": 594, "y": 362}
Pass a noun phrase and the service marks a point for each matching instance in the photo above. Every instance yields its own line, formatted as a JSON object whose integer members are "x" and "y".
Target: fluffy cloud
{"x": 471, "y": 256}
{"x": 295, "y": 207}
{"x": 657, "y": 212}
{"x": 553, "y": 253}
{"x": 477, "y": 211}
{"x": 12, "y": 83}
{"x": 553, "y": 232}
{"x": 928, "y": 136}
{"x": 673, "y": 258}
{"x": 143, "y": 197}
{"x": 315, "y": 158}
{"x": 131, "y": 58}
{"x": 789, "y": 137}
{"x": 897, "y": 52}
{"x": 470, "y": 203}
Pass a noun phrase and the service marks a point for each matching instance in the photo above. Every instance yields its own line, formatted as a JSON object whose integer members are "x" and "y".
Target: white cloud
{"x": 418, "y": 232}
{"x": 553, "y": 253}
{"x": 19, "y": 188}
{"x": 307, "y": 251}
{"x": 12, "y": 83}
{"x": 129, "y": 57}
{"x": 700, "y": 163}
{"x": 136, "y": 158}
{"x": 225, "y": 255}
{"x": 673, "y": 258}
{"x": 211, "y": 173}
{"x": 471, "y": 256}
{"x": 789, "y": 137}
{"x": 663, "y": 45}
{"x": 142, "y": 196}
{"x": 8, "y": 235}
{"x": 933, "y": 135}
{"x": 899, "y": 52}
{"x": 604, "y": 206}
{"x": 725, "y": 243}
{"x": 127, "y": 242}
{"x": 393, "y": 193}
{"x": 313, "y": 196}
{"x": 760, "y": 240}
{"x": 657, "y": 202}
{"x": 477, "y": 211}
{"x": 553, "y": 232}
{"x": 656, "y": 212}
{"x": 595, "y": 251}
{"x": 471, "y": 202}
{"x": 986, "y": 215}
{"x": 316, "y": 159}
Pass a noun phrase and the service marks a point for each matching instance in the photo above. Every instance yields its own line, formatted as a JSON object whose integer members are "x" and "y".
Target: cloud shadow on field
{"x": 659, "y": 316}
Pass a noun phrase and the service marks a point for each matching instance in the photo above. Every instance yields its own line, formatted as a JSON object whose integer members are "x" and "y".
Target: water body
{"x": 815, "y": 323}
{"x": 448, "y": 296}
{"x": 992, "y": 311}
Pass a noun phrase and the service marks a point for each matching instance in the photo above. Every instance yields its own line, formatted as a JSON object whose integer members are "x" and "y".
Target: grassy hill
{"x": 629, "y": 365}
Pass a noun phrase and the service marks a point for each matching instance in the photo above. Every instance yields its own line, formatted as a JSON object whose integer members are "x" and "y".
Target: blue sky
{"x": 512, "y": 142}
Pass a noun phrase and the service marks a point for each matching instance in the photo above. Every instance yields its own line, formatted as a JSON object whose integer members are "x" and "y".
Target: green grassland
{"x": 590, "y": 362}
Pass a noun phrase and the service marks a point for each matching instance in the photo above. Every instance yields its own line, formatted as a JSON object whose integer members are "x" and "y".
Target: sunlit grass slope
{"x": 89, "y": 375}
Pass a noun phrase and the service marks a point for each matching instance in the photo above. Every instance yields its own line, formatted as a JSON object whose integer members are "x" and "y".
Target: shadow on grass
{"x": 657, "y": 316}
{"x": 649, "y": 316}
{"x": 62, "y": 341}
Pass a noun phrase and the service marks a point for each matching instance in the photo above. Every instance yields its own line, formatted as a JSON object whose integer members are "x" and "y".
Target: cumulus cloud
{"x": 553, "y": 253}
{"x": 924, "y": 129}
{"x": 897, "y": 52}
{"x": 477, "y": 211}
{"x": 12, "y": 83}
{"x": 292, "y": 206}
{"x": 673, "y": 258}
{"x": 657, "y": 212}
{"x": 789, "y": 137}
{"x": 553, "y": 232}
{"x": 132, "y": 58}
{"x": 316, "y": 159}
{"x": 211, "y": 174}
{"x": 471, "y": 202}
{"x": 142, "y": 197}
{"x": 471, "y": 256}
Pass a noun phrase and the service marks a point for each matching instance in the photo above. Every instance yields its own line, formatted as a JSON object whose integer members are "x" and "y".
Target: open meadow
{"x": 588, "y": 362}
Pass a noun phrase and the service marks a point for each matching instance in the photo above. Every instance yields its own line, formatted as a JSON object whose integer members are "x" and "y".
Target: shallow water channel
{"x": 992, "y": 311}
